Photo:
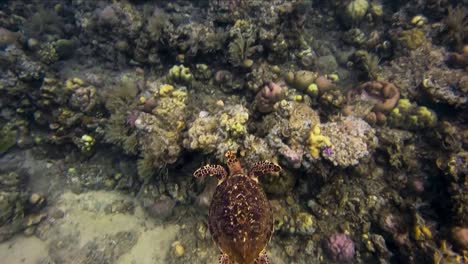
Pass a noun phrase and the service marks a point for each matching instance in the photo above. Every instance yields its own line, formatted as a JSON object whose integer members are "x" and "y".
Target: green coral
{"x": 65, "y": 48}
{"x": 409, "y": 115}
{"x": 305, "y": 223}
{"x": 202, "y": 72}
{"x": 48, "y": 54}
{"x": 180, "y": 74}
{"x": 355, "y": 10}
{"x": 279, "y": 184}
{"x": 7, "y": 137}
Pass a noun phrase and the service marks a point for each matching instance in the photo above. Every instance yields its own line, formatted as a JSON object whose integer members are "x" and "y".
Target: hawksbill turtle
{"x": 240, "y": 218}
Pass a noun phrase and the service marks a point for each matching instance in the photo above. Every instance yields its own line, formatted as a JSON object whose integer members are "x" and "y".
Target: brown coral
{"x": 383, "y": 94}
{"x": 268, "y": 96}
{"x": 379, "y": 97}
{"x": 458, "y": 60}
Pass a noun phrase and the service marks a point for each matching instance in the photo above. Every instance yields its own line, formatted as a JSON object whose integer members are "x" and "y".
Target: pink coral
{"x": 294, "y": 158}
{"x": 340, "y": 247}
{"x": 268, "y": 96}
{"x": 131, "y": 118}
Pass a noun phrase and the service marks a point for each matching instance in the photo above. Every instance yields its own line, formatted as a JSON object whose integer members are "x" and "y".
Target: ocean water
{"x": 233, "y": 131}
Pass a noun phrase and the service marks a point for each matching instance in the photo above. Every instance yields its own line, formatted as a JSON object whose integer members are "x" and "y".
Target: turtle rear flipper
{"x": 262, "y": 259}
{"x": 211, "y": 170}
{"x": 262, "y": 168}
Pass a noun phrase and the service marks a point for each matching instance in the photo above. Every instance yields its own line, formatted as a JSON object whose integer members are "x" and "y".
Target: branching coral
{"x": 159, "y": 128}
{"x": 219, "y": 132}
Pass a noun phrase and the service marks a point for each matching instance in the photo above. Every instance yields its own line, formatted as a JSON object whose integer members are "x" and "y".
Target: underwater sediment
{"x": 108, "y": 107}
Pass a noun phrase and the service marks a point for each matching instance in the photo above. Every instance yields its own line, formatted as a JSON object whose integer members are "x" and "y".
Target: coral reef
{"x": 350, "y": 140}
{"x": 379, "y": 96}
{"x": 410, "y": 116}
{"x": 340, "y": 247}
{"x": 362, "y": 102}
{"x": 266, "y": 98}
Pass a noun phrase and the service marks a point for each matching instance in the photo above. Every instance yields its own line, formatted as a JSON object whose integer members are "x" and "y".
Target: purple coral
{"x": 339, "y": 247}
{"x": 328, "y": 151}
{"x": 268, "y": 96}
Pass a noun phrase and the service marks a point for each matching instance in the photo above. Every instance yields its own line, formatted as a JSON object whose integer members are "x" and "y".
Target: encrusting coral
{"x": 317, "y": 142}
{"x": 410, "y": 116}
{"x": 268, "y": 96}
{"x": 381, "y": 96}
{"x": 351, "y": 140}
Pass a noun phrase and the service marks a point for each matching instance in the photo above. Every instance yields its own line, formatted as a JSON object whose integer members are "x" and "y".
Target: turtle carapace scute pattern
{"x": 240, "y": 218}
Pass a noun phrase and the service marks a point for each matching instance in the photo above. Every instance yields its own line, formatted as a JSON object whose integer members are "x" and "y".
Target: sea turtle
{"x": 240, "y": 218}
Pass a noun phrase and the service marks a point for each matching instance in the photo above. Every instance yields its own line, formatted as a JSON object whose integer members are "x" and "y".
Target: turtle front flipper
{"x": 211, "y": 170}
{"x": 262, "y": 168}
{"x": 262, "y": 259}
{"x": 224, "y": 259}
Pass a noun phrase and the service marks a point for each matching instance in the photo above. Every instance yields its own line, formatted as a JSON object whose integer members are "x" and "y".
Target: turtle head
{"x": 233, "y": 163}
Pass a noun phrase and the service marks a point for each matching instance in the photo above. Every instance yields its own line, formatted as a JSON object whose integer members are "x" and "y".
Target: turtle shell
{"x": 240, "y": 218}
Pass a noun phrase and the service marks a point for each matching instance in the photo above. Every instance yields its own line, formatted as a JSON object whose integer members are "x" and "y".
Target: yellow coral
{"x": 312, "y": 89}
{"x": 73, "y": 83}
{"x": 241, "y": 23}
{"x": 426, "y": 115}
{"x": 180, "y": 95}
{"x": 316, "y": 141}
{"x": 304, "y": 220}
{"x": 421, "y": 232}
{"x": 404, "y": 105}
{"x": 86, "y": 142}
{"x": 165, "y": 89}
{"x": 235, "y": 125}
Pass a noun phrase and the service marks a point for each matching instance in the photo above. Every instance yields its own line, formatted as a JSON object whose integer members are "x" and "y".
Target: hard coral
{"x": 268, "y": 96}
{"x": 411, "y": 116}
{"x": 458, "y": 60}
{"x": 383, "y": 94}
{"x": 340, "y": 247}
{"x": 352, "y": 140}
{"x": 317, "y": 141}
